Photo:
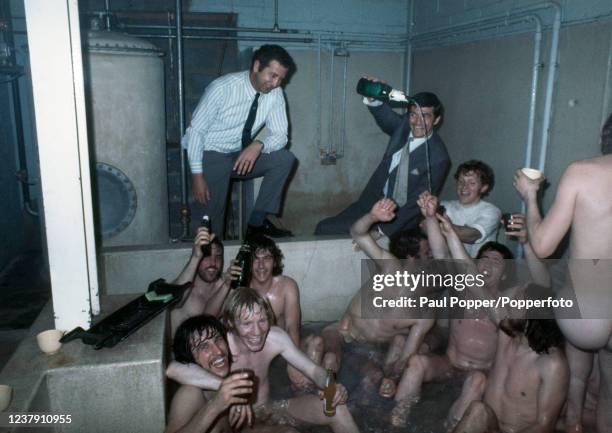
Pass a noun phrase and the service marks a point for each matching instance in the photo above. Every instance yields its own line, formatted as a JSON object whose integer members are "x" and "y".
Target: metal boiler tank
{"x": 125, "y": 93}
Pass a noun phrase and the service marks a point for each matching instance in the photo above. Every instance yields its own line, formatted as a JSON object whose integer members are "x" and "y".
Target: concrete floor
{"x": 24, "y": 290}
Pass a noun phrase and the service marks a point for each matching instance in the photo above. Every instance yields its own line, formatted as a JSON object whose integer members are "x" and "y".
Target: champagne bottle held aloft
{"x": 206, "y": 223}
{"x": 245, "y": 261}
{"x": 380, "y": 91}
{"x": 328, "y": 394}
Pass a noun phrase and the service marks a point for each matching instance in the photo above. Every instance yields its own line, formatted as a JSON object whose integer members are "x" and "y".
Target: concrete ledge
{"x": 107, "y": 390}
{"x": 327, "y": 270}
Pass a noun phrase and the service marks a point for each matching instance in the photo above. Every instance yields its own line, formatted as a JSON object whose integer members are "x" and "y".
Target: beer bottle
{"x": 245, "y": 261}
{"x": 380, "y": 91}
{"x": 328, "y": 394}
{"x": 206, "y": 223}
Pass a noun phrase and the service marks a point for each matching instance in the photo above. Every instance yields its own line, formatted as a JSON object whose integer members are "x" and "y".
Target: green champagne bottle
{"x": 380, "y": 91}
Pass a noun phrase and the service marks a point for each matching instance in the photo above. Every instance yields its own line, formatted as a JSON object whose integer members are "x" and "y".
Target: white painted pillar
{"x": 54, "y": 41}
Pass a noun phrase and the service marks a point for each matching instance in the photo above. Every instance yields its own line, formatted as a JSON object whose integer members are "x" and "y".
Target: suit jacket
{"x": 398, "y": 128}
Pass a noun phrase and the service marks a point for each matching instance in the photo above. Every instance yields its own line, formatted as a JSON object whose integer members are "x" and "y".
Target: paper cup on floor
{"x": 532, "y": 173}
{"x": 6, "y": 393}
{"x": 48, "y": 341}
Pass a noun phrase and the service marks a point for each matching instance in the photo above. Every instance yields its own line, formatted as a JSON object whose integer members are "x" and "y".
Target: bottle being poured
{"x": 381, "y": 91}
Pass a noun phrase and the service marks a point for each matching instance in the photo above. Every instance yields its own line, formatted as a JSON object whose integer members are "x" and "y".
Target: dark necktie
{"x": 248, "y": 125}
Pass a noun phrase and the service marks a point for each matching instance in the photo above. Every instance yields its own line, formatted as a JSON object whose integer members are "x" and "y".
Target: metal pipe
{"x": 408, "y": 50}
{"x": 185, "y": 217}
{"x": 331, "y": 146}
{"x": 606, "y": 98}
{"x": 340, "y": 152}
{"x": 537, "y": 42}
{"x": 270, "y": 31}
{"x": 319, "y": 96}
{"x": 275, "y": 28}
{"x": 550, "y": 81}
{"x": 107, "y": 10}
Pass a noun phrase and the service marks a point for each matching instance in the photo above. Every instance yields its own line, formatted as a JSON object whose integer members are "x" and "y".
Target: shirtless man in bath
{"x": 283, "y": 294}
{"x": 404, "y": 334}
{"x": 526, "y": 387}
{"x": 210, "y": 287}
{"x": 254, "y": 342}
{"x": 583, "y": 203}
{"x": 202, "y": 339}
{"x": 473, "y": 338}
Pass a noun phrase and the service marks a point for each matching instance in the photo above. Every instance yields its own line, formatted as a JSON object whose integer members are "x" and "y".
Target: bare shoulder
{"x": 278, "y": 336}
{"x": 553, "y": 364}
{"x": 287, "y": 283}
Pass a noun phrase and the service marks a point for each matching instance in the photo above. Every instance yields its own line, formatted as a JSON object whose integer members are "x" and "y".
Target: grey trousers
{"x": 274, "y": 167}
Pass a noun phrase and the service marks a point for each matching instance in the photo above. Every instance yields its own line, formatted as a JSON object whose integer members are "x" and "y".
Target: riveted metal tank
{"x": 125, "y": 93}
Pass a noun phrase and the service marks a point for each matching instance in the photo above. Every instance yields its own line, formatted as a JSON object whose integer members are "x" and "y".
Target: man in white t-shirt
{"x": 476, "y": 221}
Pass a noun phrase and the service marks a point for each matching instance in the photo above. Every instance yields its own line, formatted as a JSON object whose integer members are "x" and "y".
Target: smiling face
{"x": 210, "y": 267}
{"x": 211, "y": 353}
{"x": 470, "y": 188}
{"x": 263, "y": 266}
{"x": 252, "y": 327}
{"x": 492, "y": 266}
{"x": 422, "y": 125}
{"x": 266, "y": 79}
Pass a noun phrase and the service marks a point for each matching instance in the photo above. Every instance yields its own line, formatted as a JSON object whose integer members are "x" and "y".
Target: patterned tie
{"x": 248, "y": 125}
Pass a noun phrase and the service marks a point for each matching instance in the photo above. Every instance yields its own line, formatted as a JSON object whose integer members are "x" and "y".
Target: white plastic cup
{"x": 532, "y": 173}
{"x": 48, "y": 341}
{"x": 6, "y": 394}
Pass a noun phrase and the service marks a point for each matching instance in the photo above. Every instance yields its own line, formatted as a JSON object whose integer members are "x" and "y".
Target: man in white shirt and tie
{"x": 416, "y": 160}
{"x": 220, "y": 144}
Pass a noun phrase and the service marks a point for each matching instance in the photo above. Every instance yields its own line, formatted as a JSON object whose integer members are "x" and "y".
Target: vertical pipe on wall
{"x": 550, "y": 82}
{"x": 181, "y": 106}
{"x": 605, "y": 105}
{"x": 537, "y": 43}
{"x": 408, "y": 50}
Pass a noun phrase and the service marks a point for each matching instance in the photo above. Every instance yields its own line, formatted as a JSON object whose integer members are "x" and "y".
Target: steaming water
{"x": 426, "y": 416}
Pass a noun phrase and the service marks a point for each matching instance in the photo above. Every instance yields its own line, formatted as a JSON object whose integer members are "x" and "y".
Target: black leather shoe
{"x": 268, "y": 229}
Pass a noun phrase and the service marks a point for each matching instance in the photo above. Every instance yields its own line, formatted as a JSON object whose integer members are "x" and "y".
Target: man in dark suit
{"x": 404, "y": 171}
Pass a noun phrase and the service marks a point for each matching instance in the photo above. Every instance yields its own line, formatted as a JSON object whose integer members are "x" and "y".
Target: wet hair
{"x": 542, "y": 334}
{"x": 504, "y": 251}
{"x": 216, "y": 241}
{"x": 406, "y": 243}
{"x": 606, "y": 137}
{"x": 241, "y": 299}
{"x": 482, "y": 170}
{"x": 261, "y": 242}
{"x": 199, "y": 327}
{"x": 428, "y": 99}
{"x": 495, "y": 246}
{"x": 267, "y": 53}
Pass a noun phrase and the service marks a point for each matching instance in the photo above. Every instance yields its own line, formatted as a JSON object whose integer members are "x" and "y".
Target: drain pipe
{"x": 550, "y": 82}
{"x": 606, "y": 99}
{"x": 276, "y": 28}
{"x": 185, "y": 212}
{"x": 107, "y": 12}
{"x": 408, "y": 50}
{"x": 537, "y": 42}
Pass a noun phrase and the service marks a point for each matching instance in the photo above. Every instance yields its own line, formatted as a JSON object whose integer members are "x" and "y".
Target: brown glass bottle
{"x": 205, "y": 223}
{"x": 328, "y": 394}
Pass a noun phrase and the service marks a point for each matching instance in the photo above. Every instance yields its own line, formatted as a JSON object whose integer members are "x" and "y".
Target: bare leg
{"x": 391, "y": 374}
{"x": 472, "y": 390}
{"x": 312, "y": 346}
{"x": 479, "y": 418}
{"x": 421, "y": 368}
{"x": 333, "y": 343}
{"x": 604, "y": 405}
{"x": 308, "y": 408}
{"x": 580, "y": 364}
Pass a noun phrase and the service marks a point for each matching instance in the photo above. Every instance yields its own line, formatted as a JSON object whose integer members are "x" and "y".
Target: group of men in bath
{"x": 519, "y": 374}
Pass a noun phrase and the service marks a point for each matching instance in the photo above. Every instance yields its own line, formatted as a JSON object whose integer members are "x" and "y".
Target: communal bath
{"x": 124, "y": 388}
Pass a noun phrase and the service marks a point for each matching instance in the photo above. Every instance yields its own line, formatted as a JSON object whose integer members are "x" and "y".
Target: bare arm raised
{"x": 545, "y": 234}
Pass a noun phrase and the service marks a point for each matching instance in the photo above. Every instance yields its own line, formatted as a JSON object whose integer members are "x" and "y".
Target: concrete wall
{"x": 485, "y": 87}
{"x": 326, "y": 271}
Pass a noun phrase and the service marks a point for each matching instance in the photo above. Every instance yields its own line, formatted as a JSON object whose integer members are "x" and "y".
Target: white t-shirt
{"x": 482, "y": 216}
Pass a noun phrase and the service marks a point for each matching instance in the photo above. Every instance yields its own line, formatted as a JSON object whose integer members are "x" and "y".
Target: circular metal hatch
{"x": 117, "y": 200}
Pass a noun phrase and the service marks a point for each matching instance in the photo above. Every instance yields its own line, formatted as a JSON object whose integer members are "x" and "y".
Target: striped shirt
{"x": 219, "y": 119}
